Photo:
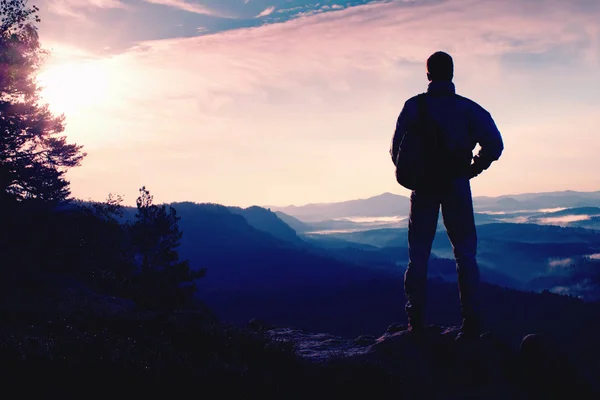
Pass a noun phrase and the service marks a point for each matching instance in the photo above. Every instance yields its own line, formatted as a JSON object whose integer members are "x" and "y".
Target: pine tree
{"x": 34, "y": 156}
{"x": 164, "y": 281}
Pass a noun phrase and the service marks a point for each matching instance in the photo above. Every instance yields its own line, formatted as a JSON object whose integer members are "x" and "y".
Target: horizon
{"x": 403, "y": 195}
{"x": 268, "y": 206}
{"x": 294, "y": 102}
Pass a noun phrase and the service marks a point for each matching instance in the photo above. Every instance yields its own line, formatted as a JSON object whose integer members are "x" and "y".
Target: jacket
{"x": 464, "y": 122}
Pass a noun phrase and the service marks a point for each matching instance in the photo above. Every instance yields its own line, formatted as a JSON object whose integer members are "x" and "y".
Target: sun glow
{"x": 73, "y": 88}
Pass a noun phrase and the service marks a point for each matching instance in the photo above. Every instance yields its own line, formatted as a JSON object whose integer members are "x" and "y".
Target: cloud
{"x": 329, "y": 50}
{"x": 77, "y": 22}
{"x": 303, "y": 111}
{"x": 63, "y": 54}
{"x": 186, "y": 6}
{"x": 564, "y": 220}
{"x": 564, "y": 262}
{"x": 72, "y": 8}
{"x": 284, "y": 10}
{"x": 266, "y": 12}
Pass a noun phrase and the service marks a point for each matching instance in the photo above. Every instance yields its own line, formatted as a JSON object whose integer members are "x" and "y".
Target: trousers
{"x": 456, "y": 203}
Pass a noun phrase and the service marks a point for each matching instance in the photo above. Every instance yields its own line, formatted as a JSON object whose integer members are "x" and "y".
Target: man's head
{"x": 440, "y": 67}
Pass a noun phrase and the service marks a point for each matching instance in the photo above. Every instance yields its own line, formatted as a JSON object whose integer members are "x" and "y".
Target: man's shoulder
{"x": 413, "y": 101}
{"x": 415, "y": 98}
{"x": 471, "y": 104}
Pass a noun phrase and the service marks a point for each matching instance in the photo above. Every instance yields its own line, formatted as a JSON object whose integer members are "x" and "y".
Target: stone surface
{"x": 432, "y": 364}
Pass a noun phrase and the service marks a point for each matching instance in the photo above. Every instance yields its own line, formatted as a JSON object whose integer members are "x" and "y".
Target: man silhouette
{"x": 463, "y": 124}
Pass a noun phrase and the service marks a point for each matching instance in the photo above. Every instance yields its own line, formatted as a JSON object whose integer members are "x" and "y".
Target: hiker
{"x": 449, "y": 127}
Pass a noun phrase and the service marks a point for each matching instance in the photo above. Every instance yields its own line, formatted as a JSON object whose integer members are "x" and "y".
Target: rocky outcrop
{"x": 438, "y": 364}
{"x": 320, "y": 347}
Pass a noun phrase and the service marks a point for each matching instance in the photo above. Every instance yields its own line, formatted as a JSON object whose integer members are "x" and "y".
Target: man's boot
{"x": 415, "y": 327}
{"x": 470, "y": 329}
{"x": 415, "y": 321}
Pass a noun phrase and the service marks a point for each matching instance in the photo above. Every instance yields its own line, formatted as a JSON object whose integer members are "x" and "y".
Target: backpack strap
{"x": 422, "y": 111}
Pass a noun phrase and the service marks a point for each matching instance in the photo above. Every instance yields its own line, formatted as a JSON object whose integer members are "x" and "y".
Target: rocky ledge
{"x": 437, "y": 364}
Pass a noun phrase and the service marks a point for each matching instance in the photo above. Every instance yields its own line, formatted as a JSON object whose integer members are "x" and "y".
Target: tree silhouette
{"x": 163, "y": 282}
{"x": 34, "y": 156}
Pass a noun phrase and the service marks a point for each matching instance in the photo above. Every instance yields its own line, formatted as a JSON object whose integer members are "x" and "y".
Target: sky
{"x": 280, "y": 102}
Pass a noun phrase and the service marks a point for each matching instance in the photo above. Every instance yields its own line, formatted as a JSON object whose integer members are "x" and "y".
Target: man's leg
{"x": 422, "y": 225}
{"x": 457, "y": 210}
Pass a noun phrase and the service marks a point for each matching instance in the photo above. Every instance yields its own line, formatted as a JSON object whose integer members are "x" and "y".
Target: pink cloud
{"x": 267, "y": 11}
{"x": 186, "y": 6}
{"x": 71, "y": 8}
{"x": 303, "y": 111}
{"x": 334, "y": 52}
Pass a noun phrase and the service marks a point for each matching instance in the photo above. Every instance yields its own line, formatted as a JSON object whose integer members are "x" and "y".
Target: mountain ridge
{"x": 390, "y": 204}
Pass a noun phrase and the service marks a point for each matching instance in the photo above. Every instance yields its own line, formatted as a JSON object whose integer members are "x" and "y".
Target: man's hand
{"x": 479, "y": 165}
{"x": 474, "y": 170}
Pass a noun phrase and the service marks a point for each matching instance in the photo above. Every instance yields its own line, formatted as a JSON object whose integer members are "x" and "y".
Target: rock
{"x": 319, "y": 347}
{"x": 393, "y": 328}
{"x": 546, "y": 372}
{"x": 259, "y": 325}
{"x": 460, "y": 368}
{"x": 364, "y": 340}
{"x": 533, "y": 347}
{"x": 436, "y": 365}
{"x": 403, "y": 353}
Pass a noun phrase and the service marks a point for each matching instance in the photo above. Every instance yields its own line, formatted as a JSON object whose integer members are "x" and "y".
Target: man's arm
{"x": 489, "y": 138}
{"x": 406, "y": 117}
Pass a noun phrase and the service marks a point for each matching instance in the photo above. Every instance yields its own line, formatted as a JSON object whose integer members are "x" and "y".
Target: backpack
{"x": 422, "y": 160}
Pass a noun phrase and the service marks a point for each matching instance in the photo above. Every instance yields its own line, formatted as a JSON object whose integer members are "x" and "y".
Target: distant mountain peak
{"x": 387, "y": 194}
{"x": 383, "y": 205}
{"x": 388, "y": 204}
